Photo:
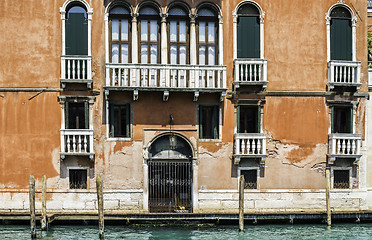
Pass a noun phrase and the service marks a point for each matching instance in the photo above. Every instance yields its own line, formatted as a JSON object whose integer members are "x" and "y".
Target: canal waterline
{"x": 205, "y": 232}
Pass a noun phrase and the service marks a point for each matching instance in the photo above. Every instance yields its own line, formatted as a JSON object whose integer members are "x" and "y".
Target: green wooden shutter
{"x": 215, "y": 121}
{"x": 331, "y": 108}
{"x": 86, "y": 117}
{"x": 350, "y": 119}
{"x": 258, "y": 119}
{"x": 67, "y": 114}
{"x": 111, "y": 120}
{"x": 76, "y": 34}
{"x": 200, "y": 121}
{"x": 248, "y": 37}
{"x": 127, "y": 120}
{"x": 238, "y": 119}
{"x": 341, "y": 39}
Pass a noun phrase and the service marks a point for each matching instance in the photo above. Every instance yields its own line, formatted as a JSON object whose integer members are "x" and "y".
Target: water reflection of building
{"x": 172, "y": 103}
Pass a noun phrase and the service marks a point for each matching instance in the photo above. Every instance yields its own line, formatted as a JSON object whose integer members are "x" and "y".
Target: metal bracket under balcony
{"x": 250, "y": 72}
{"x": 343, "y": 74}
{"x": 166, "y": 78}
{"x": 76, "y": 69}
{"x": 344, "y": 145}
{"x": 250, "y": 145}
{"x": 77, "y": 142}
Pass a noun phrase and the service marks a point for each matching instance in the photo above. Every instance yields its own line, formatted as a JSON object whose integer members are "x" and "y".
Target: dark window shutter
{"x": 341, "y": 39}
{"x": 127, "y": 120}
{"x": 331, "y": 108}
{"x": 67, "y": 114}
{"x": 350, "y": 121}
{"x": 86, "y": 117}
{"x": 215, "y": 121}
{"x": 248, "y": 37}
{"x": 200, "y": 121}
{"x": 258, "y": 119}
{"x": 76, "y": 34}
{"x": 111, "y": 120}
{"x": 238, "y": 119}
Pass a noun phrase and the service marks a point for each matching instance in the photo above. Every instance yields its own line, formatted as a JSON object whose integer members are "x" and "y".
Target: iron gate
{"x": 170, "y": 186}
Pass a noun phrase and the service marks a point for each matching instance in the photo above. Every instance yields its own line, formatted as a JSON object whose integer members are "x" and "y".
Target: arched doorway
{"x": 170, "y": 174}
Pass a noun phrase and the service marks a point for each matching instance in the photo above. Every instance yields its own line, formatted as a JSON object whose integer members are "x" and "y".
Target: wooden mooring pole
{"x": 44, "y": 223}
{"x": 32, "y": 206}
{"x": 99, "y": 185}
{"x": 328, "y": 202}
{"x": 241, "y": 203}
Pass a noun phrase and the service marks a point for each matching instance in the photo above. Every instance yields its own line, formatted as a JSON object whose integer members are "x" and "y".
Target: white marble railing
{"x": 76, "y": 141}
{"x": 165, "y": 76}
{"x": 76, "y": 67}
{"x": 344, "y": 144}
{"x": 343, "y": 73}
{"x": 369, "y": 77}
{"x": 250, "y": 71}
{"x": 247, "y": 144}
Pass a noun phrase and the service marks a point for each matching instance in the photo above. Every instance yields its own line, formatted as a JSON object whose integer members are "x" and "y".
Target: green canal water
{"x": 144, "y": 232}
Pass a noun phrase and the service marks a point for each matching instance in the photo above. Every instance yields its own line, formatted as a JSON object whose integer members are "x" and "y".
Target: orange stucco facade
{"x": 295, "y": 105}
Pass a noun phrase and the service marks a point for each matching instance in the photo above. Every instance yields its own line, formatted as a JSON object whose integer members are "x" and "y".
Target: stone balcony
{"x": 343, "y": 74}
{"x": 344, "y": 145}
{"x": 78, "y": 142}
{"x": 76, "y": 69}
{"x": 167, "y": 78}
{"x": 250, "y": 72}
{"x": 249, "y": 145}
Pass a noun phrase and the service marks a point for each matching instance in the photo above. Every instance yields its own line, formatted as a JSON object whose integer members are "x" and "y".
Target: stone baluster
{"x": 244, "y": 145}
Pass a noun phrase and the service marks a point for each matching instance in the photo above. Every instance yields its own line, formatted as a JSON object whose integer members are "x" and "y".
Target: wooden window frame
{"x": 128, "y": 120}
{"x": 206, "y": 43}
{"x": 178, "y": 43}
{"x": 148, "y": 42}
{"x": 218, "y": 122}
{"x": 120, "y": 42}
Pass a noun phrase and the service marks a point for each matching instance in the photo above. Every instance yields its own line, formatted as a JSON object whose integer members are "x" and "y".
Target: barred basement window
{"x": 341, "y": 179}
{"x": 78, "y": 178}
{"x": 250, "y": 178}
{"x": 208, "y": 122}
{"x": 119, "y": 115}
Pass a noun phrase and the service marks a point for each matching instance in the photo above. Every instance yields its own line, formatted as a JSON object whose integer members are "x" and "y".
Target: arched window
{"x": 207, "y": 37}
{"x": 248, "y": 32}
{"x": 149, "y": 35}
{"x": 178, "y": 36}
{"x": 120, "y": 35}
{"x": 76, "y": 36}
{"x": 341, "y": 34}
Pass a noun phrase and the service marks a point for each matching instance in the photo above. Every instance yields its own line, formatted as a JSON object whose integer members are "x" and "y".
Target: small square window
{"x": 209, "y": 122}
{"x": 341, "y": 179}
{"x": 250, "y": 178}
{"x": 119, "y": 116}
{"x": 78, "y": 178}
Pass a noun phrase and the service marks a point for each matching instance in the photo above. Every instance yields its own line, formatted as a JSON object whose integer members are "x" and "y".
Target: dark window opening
{"x": 208, "y": 122}
{"x": 76, "y": 31}
{"x": 248, "y": 119}
{"x": 341, "y": 179}
{"x": 119, "y": 120}
{"x": 77, "y": 115}
{"x": 250, "y": 179}
{"x": 342, "y": 120}
{"x": 78, "y": 178}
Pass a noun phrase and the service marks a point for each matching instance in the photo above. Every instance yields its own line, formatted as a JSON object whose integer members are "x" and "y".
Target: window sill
{"x": 210, "y": 140}
{"x": 119, "y": 139}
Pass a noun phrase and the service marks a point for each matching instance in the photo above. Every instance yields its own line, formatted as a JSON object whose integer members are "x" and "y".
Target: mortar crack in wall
{"x": 207, "y": 153}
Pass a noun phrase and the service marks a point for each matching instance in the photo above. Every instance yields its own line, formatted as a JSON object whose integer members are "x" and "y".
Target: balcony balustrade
{"x": 77, "y": 142}
{"x": 250, "y": 72}
{"x": 165, "y": 77}
{"x": 344, "y": 74}
{"x": 344, "y": 145}
{"x": 76, "y": 69}
{"x": 251, "y": 145}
